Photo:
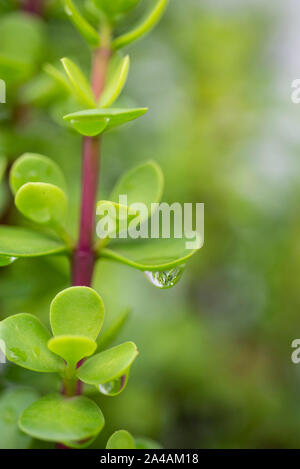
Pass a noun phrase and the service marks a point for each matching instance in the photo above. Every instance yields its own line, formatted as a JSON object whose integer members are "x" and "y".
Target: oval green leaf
{"x": 121, "y": 440}
{"x": 42, "y": 203}
{"x": 72, "y": 348}
{"x": 142, "y": 184}
{"x": 151, "y": 254}
{"x": 25, "y": 340}
{"x": 77, "y": 311}
{"x": 79, "y": 82}
{"x": 92, "y": 122}
{"x": 117, "y": 76}
{"x": 32, "y": 167}
{"x": 108, "y": 365}
{"x": 12, "y": 403}
{"x": 23, "y": 242}
{"x": 146, "y": 24}
{"x": 57, "y": 418}
{"x": 85, "y": 29}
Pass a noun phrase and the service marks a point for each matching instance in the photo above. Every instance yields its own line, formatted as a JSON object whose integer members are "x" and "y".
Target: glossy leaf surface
{"x": 77, "y": 311}
{"x": 57, "y": 418}
{"x": 92, "y": 122}
{"x": 42, "y": 203}
{"x": 23, "y": 242}
{"x": 32, "y": 167}
{"x": 72, "y": 348}
{"x": 108, "y": 365}
{"x": 26, "y": 340}
{"x": 151, "y": 254}
{"x": 79, "y": 82}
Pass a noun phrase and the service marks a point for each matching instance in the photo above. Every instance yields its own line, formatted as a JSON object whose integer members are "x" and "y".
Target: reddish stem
{"x": 84, "y": 256}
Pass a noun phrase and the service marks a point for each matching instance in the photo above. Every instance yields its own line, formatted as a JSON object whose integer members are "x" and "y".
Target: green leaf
{"x": 147, "y": 443}
{"x": 6, "y": 260}
{"x": 151, "y": 254}
{"x": 112, "y": 326}
{"x": 42, "y": 203}
{"x": 79, "y": 82}
{"x": 117, "y": 76}
{"x": 12, "y": 403}
{"x": 32, "y": 167}
{"x": 85, "y": 29}
{"x": 72, "y": 348}
{"x": 142, "y": 184}
{"x": 109, "y": 365}
{"x": 92, "y": 122}
{"x": 145, "y": 25}
{"x": 3, "y": 165}
{"x": 121, "y": 440}
{"x": 77, "y": 311}
{"x": 26, "y": 340}
{"x": 88, "y": 128}
{"x": 23, "y": 242}
{"x": 115, "y": 7}
{"x": 57, "y": 418}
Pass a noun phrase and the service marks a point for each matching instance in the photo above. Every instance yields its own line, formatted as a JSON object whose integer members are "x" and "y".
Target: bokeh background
{"x": 214, "y": 369}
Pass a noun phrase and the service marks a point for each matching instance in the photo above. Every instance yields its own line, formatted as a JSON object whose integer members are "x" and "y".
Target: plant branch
{"x": 84, "y": 256}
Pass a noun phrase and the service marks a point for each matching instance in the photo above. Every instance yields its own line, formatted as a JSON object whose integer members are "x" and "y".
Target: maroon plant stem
{"x": 34, "y": 7}
{"x": 84, "y": 256}
{"x": 84, "y": 259}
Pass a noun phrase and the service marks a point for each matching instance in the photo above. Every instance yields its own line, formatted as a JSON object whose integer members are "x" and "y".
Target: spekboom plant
{"x": 74, "y": 350}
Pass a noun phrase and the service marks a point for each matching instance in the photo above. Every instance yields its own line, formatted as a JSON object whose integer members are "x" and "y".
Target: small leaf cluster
{"x": 76, "y": 318}
{"x": 96, "y": 115}
{"x": 40, "y": 191}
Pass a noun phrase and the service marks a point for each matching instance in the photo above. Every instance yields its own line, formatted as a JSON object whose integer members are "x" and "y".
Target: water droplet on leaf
{"x": 111, "y": 388}
{"x": 165, "y": 278}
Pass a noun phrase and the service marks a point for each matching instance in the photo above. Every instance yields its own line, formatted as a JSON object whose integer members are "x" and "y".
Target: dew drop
{"x": 165, "y": 278}
{"x": 111, "y": 388}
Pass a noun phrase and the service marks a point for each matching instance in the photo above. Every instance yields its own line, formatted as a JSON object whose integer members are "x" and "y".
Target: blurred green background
{"x": 214, "y": 369}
